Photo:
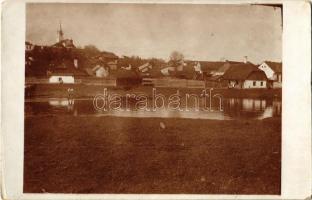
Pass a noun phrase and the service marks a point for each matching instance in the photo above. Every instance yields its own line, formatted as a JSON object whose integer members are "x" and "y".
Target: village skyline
{"x": 154, "y": 43}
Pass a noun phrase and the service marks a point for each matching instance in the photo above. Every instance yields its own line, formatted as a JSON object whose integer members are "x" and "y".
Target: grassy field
{"x": 65, "y": 154}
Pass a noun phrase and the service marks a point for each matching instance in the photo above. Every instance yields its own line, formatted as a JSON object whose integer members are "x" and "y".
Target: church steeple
{"x": 60, "y": 34}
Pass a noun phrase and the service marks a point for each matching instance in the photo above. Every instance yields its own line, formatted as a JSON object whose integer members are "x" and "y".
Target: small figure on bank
{"x": 70, "y": 92}
{"x": 60, "y": 80}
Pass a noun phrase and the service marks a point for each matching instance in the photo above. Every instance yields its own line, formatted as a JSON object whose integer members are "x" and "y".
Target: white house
{"x": 166, "y": 71}
{"x": 100, "y": 71}
{"x": 245, "y": 76}
{"x": 112, "y": 64}
{"x": 145, "y": 67}
{"x": 197, "y": 68}
{"x": 273, "y": 71}
{"x": 62, "y": 78}
{"x": 65, "y": 75}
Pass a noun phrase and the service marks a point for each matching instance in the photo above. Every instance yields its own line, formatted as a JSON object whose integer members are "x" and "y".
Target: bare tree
{"x": 176, "y": 60}
{"x": 176, "y": 56}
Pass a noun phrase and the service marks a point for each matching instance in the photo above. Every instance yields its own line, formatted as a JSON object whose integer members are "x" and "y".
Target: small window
{"x": 254, "y": 83}
{"x": 261, "y": 83}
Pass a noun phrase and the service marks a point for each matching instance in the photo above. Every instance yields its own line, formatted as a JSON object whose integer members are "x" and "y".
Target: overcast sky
{"x": 200, "y": 32}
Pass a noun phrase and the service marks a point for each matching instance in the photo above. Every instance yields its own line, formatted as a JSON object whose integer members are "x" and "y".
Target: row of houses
{"x": 229, "y": 74}
{"x": 245, "y": 75}
{"x": 73, "y": 62}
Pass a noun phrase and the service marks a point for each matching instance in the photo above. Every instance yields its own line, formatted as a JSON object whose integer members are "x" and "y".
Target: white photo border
{"x": 296, "y": 103}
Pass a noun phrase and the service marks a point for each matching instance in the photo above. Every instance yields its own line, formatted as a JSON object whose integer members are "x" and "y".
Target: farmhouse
{"x": 150, "y": 69}
{"x": 100, "y": 71}
{"x": 167, "y": 71}
{"x": 145, "y": 69}
{"x": 128, "y": 78}
{"x": 215, "y": 81}
{"x": 62, "y": 77}
{"x": 273, "y": 71}
{"x": 215, "y": 68}
{"x": 245, "y": 76}
{"x": 107, "y": 57}
{"x": 65, "y": 75}
{"x": 188, "y": 72}
{"x": 112, "y": 64}
{"x": 209, "y": 67}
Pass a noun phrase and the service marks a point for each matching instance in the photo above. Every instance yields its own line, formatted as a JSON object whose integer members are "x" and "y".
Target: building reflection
{"x": 252, "y": 108}
{"x": 233, "y": 108}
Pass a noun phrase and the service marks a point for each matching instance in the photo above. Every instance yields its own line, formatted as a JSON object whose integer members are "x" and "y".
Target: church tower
{"x": 60, "y": 34}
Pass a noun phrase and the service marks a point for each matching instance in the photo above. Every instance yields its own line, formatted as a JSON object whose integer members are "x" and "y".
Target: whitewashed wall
{"x": 249, "y": 84}
{"x": 66, "y": 79}
{"x": 267, "y": 70}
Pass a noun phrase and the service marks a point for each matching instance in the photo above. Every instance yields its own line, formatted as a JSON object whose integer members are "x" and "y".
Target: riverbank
{"x": 90, "y": 91}
{"x": 65, "y": 154}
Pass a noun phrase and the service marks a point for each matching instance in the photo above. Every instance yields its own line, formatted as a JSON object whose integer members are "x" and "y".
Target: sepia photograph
{"x": 124, "y": 98}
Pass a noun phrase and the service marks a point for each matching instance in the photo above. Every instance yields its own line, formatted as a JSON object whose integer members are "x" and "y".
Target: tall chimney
{"x": 245, "y": 59}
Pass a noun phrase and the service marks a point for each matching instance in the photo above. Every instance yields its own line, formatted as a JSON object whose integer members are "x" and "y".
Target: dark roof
{"x": 240, "y": 71}
{"x": 257, "y": 75}
{"x": 97, "y": 67}
{"x": 187, "y": 72}
{"x": 126, "y": 74}
{"x": 89, "y": 71}
{"x": 224, "y": 67}
{"x": 155, "y": 72}
{"x": 234, "y": 62}
{"x": 68, "y": 71}
{"x": 106, "y": 54}
{"x": 220, "y": 66}
{"x": 214, "y": 78}
{"x": 275, "y": 66}
{"x": 210, "y": 65}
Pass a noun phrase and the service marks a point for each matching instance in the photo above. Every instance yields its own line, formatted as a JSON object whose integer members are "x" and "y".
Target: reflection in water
{"x": 68, "y": 103}
{"x": 165, "y": 113}
{"x": 232, "y": 108}
{"x": 253, "y": 104}
{"x": 59, "y": 102}
{"x": 252, "y": 108}
{"x": 268, "y": 112}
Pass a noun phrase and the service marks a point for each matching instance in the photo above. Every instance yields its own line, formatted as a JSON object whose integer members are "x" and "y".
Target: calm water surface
{"x": 224, "y": 109}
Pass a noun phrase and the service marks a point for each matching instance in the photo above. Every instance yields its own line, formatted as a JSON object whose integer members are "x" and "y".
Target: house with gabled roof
{"x": 225, "y": 66}
{"x": 145, "y": 68}
{"x": 208, "y": 68}
{"x": 107, "y": 56}
{"x": 100, "y": 71}
{"x": 245, "y": 76}
{"x": 273, "y": 71}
